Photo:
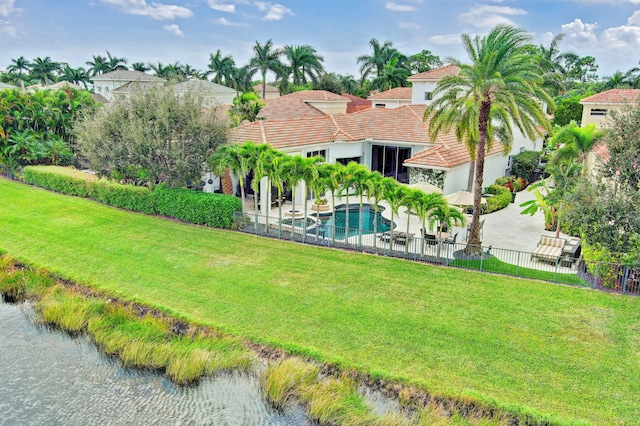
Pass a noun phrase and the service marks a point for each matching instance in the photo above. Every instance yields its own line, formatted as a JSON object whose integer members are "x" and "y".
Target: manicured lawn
{"x": 563, "y": 351}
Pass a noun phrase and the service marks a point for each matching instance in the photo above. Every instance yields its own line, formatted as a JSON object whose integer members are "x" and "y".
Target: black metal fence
{"x": 448, "y": 252}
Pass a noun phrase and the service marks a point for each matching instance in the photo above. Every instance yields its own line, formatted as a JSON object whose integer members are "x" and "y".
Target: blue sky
{"x": 187, "y": 31}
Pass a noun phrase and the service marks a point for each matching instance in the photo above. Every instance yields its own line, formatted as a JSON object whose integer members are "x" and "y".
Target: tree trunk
{"x": 474, "y": 244}
{"x": 227, "y": 183}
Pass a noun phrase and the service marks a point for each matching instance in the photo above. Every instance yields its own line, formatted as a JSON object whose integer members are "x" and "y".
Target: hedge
{"x": 500, "y": 199}
{"x": 197, "y": 207}
{"x": 202, "y": 208}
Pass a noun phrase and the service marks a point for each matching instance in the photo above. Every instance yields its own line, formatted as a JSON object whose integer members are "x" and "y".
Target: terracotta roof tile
{"x": 294, "y": 105}
{"x": 400, "y": 93}
{"x": 356, "y": 104}
{"x": 268, "y": 88}
{"x": 436, "y": 74}
{"x": 614, "y": 96}
{"x": 447, "y": 154}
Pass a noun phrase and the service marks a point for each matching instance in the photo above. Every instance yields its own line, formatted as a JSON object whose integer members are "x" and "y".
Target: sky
{"x": 188, "y": 31}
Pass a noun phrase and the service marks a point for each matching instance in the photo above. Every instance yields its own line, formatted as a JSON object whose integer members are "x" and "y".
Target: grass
{"x": 497, "y": 266}
{"x": 526, "y": 346}
{"x": 138, "y": 341}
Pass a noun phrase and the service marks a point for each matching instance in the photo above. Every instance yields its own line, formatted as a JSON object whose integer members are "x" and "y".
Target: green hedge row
{"x": 201, "y": 208}
{"x": 501, "y": 198}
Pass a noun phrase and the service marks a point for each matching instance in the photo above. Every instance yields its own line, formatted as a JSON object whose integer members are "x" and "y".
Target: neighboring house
{"x": 596, "y": 107}
{"x": 213, "y": 94}
{"x": 54, "y": 86}
{"x": 595, "y": 110}
{"x": 105, "y": 84}
{"x": 304, "y": 104}
{"x": 4, "y": 86}
{"x": 270, "y": 91}
{"x": 424, "y": 84}
{"x": 392, "y": 98}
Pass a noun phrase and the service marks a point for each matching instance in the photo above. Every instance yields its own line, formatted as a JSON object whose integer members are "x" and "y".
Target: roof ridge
{"x": 262, "y": 131}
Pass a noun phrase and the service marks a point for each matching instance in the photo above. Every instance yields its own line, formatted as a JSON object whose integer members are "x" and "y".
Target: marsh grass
{"x": 138, "y": 341}
{"x": 282, "y": 380}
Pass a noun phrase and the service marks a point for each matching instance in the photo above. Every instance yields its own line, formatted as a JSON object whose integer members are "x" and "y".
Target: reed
{"x": 282, "y": 380}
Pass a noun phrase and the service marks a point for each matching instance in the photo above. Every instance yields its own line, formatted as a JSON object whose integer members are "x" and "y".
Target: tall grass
{"x": 138, "y": 341}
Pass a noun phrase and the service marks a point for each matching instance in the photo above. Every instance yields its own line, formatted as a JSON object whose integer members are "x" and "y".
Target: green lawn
{"x": 564, "y": 351}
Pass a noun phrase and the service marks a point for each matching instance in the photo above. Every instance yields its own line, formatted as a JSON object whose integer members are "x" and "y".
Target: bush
{"x": 501, "y": 198}
{"x": 525, "y": 163}
{"x": 190, "y": 206}
{"x": 197, "y": 207}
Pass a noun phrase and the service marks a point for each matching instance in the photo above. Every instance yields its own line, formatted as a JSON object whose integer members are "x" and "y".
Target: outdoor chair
{"x": 452, "y": 240}
{"x": 429, "y": 239}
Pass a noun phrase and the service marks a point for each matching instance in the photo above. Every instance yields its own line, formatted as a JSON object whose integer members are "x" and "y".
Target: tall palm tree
{"x": 550, "y": 60}
{"x": 376, "y": 61}
{"x": 304, "y": 61}
{"x": 265, "y": 58}
{"x": 75, "y": 75}
{"x": 116, "y": 63}
{"x": 573, "y": 143}
{"x": 240, "y": 79}
{"x": 98, "y": 65}
{"x": 19, "y": 66}
{"x": 501, "y": 87}
{"x": 221, "y": 67}
{"x": 140, "y": 66}
{"x": 393, "y": 75}
{"x": 44, "y": 69}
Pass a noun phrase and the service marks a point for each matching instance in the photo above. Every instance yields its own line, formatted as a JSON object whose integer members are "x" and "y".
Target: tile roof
{"x": 397, "y": 93}
{"x": 356, "y": 104}
{"x": 402, "y": 124}
{"x": 447, "y": 154}
{"x": 436, "y": 74}
{"x": 295, "y": 105}
{"x": 135, "y": 86}
{"x": 614, "y": 96}
{"x": 126, "y": 75}
{"x": 99, "y": 98}
{"x": 268, "y": 88}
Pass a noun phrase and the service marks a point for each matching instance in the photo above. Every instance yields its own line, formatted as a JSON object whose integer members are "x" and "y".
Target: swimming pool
{"x": 368, "y": 217}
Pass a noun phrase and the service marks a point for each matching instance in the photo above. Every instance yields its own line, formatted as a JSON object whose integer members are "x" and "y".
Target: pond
{"x": 49, "y": 377}
{"x": 368, "y": 217}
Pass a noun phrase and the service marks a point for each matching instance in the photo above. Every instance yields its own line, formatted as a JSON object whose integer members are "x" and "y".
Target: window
{"x": 598, "y": 111}
{"x": 389, "y": 161}
{"x": 428, "y": 96}
{"x": 379, "y": 105}
{"x": 322, "y": 153}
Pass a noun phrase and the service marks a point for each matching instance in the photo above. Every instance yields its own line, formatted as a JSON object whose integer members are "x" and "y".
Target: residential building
{"x": 596, "y": 107}
{"x": 392, "y": 98}
{"x": 105, "y": 84}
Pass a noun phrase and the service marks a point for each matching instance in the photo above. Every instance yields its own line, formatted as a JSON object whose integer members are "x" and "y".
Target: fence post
{"x": 595, "y": 282}
{"x": 624, "y": 280}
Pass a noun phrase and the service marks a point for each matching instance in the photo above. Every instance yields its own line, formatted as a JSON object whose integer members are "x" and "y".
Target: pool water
{"x": 368, "y": 217}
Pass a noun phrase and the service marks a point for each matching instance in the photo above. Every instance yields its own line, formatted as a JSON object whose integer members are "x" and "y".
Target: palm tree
{"x": 393, "y": 75}
{"x": 433, "y": 205}
{"x": 98, "y": 65}
{"x": 230, "y": 157}
{"x": 19, "y": 66}
{"x": 319, "y": 186}
{"x": 394, "y": 194}
{"x": 304, "y": 62}
{"x": 75, "y": 75}
{"x": 221, "y": 67}
{"x": 573, "y": 143}
{"x": 358, "y": 175}
{"x": 251, "y": 154}
{"x": 44, "y": 69}
{"x": 240, "y": 79}
{"x": 333, "y": 183}
{"x": 310, "y": 174}
{"x": 412, "y": 201}
{"x": 377, "y": 60}
{"x": 265, "y": 58}
{"x": 500, "y": 88}
{"x": 375, "y": 190}
{"x": 140, "y": 66}
{"x": 116, "y": 63}
{"x": 550, "y": 60}
{"x": 272, "y": 165}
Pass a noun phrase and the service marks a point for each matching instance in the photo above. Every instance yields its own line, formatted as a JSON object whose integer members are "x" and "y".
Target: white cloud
{"x": 7, "y": 8}
{"x": 227, "y": 23}
{"x": 408, "y": 26}
{"x": 275, "y": 12}
{"x": 486, "y": 16}
{"x": 154, "y": 10}
{"x": 580, "y": 32}
{"x": 445, "y": 39}
{"x": 173, "y": 28}
{"x": 399, "y": 7}
{"x": 8, "y": 29}
{"x": 221, "y": 7}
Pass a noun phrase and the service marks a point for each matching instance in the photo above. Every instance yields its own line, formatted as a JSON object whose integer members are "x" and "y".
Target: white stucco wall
{"x": 389, "y": 103}
{"x": 419, "y": 88}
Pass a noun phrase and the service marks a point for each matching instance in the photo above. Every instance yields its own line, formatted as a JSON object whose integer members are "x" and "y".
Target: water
{"x": 368, "y": 216}
{"x": 49, "y": 378}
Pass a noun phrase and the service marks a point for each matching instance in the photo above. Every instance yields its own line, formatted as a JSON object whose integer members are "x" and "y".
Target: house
{"x": 212, "y": 94}
{"x": 424, "y": 83}
{"x": 595, "y": 110}
{"x": 105, "y": 84}
{"x": 392, "y": 98}
{"x": 271, "y": 92}
{"x": 596, "y": 107}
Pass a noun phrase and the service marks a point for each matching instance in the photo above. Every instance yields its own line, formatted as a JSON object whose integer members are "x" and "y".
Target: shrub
{"x": 197, "y": 207}
{"x": 525, "y": 163}
{"x": 60, "y": 179}
{"x": 128, "y": 197}
{"x": 501, "y": 198}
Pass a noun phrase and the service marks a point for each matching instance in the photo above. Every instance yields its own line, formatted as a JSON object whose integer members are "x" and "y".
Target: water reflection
{"x": 49, "y": 378}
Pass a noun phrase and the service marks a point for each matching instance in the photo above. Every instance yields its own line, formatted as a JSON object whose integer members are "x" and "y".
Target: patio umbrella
{"x": 462, "y": 198}
{"x": 425, "y": 187}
